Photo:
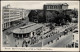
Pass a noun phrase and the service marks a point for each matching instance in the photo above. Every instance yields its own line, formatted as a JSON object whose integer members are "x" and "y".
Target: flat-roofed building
{"x": 31, "y": 29}
{"x": 55, "y": 6}
{"x": 9, "y": 15}
{"x": 31, "y": 32}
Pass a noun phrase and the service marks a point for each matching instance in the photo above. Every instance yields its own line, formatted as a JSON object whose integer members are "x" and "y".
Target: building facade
{"x": 54, "y": 6}
{"x": 9, "y": 15}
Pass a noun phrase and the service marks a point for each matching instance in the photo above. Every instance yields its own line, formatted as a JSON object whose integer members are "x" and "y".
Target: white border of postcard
{"x": 37, "y": 48}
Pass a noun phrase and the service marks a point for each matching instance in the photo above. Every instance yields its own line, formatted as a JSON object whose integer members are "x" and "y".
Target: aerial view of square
{"x": 40, "y": 24}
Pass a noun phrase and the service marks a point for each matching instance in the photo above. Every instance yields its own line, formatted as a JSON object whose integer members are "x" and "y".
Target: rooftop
{"x": 27, "y": 30}
{"x": 57, "y": 4}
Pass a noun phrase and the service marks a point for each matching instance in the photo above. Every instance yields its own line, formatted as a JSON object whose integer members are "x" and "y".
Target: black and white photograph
{"x": 40, "y": 24}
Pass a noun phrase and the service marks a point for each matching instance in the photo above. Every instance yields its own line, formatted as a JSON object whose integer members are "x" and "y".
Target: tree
{"x": 49, "y": 16}
{"x": 54, "y": 16}
{"x": 62, "y": 19}
{"x": 41, "y": 18}
{"x": 32, "y": 15}
{"x": 67, "y": 18}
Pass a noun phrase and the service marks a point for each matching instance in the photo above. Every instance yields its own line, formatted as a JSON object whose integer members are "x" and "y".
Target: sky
{"x": 37, "y": 4}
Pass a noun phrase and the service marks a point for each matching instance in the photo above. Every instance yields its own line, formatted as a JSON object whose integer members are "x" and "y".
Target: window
{"x": 6, "y": 20}
{"x": 6, "y": 10}
{"x": 51, "y": 7}
{"x": 54, "y": 7}
{"x": 6, "y": 13}
{"x": 6, "y": 16}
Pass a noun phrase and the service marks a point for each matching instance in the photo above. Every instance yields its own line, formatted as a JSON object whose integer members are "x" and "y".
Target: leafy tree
{"x": 62, "y": 19}
{"x": 41, "y": 18}
{"x": 49, "y": 16}
{"x": 32, "y": 15}
{"x": 67, "y": 18}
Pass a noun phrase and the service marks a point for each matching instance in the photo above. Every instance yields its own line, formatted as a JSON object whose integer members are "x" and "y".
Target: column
{"x": 6, "y": 25}
{"x": 50, "y": 7}
{"x": 14, "y": 35}
{"x": 57, "y": 6}
{"x": 26, "y": 35}
{"x": 22, "y": 35}
{"x": 47, "y": 7}
{"x": 53, "y": 6}
{"x": 18, "y": 35}
{"x": 9, "y": 24}
{"x": 61, "y": 6}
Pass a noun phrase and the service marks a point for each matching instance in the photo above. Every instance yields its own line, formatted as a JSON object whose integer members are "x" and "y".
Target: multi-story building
{"x": 55, "y": 6}
{"x": 9, "y": 15}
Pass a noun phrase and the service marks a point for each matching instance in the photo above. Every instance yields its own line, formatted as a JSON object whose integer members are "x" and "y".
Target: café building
{"x": 28, "y": 31}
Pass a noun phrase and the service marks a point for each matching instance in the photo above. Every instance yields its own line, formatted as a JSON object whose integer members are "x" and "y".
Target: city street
{"x": 61, "y": 29}
{"x": 62, "y": 42}
{"x": 59, "y": 33}
{"x": 50, "y": 41}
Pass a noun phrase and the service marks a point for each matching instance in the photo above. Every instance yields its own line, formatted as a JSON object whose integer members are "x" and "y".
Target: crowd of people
{"x": 66, "y": 30}
{"x": 50, "y": 34}
{"x": 33, "y": 40}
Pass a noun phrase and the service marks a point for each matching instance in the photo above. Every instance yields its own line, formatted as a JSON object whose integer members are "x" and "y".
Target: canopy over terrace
{"x": 24, "y": 31}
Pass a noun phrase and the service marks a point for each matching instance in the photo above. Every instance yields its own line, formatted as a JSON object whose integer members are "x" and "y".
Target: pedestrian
{"x": 15, "y": 45}
{"x": 48, "y": 42}
{"x": 26, "y": 45}
{"x": 49, "y": 35}
{"x": 58, "y": 38}
{"x": 60, "y": 35}
{"x": 51, "y": 41}
{"x": 18, "y": 43}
